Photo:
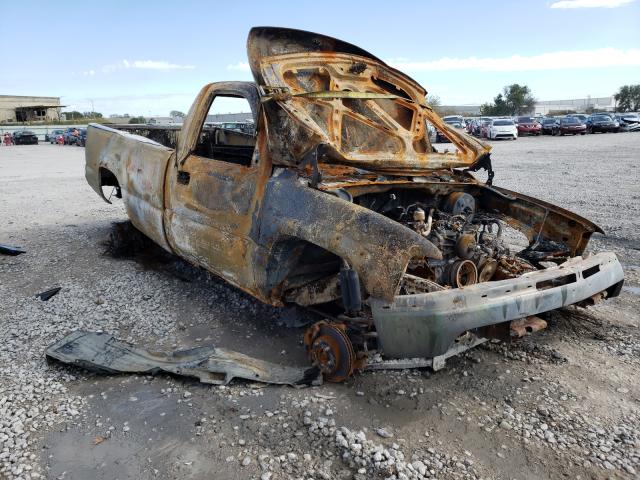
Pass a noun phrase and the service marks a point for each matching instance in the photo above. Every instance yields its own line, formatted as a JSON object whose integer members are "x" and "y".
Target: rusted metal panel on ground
{"x": 103, "y": 353}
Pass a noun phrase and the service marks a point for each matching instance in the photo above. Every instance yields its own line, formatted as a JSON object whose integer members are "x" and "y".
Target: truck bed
{"x": 167, "y": 135}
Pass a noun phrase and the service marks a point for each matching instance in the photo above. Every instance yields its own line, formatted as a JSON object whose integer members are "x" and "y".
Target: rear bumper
{"x": 426, "y": 325}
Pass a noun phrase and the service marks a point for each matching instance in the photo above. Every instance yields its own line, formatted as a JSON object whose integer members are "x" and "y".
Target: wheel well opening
{"x": 296, "y": 265}
{"x": 108, "y": 179}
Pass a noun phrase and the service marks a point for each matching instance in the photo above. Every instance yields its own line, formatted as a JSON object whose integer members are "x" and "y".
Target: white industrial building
{"x": 579, "y": 105}
{"x": 546, "y": 107}
{"x": 18, "y": 108}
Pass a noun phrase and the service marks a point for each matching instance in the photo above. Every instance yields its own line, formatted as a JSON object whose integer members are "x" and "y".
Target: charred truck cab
{"x": 339, "y": 202}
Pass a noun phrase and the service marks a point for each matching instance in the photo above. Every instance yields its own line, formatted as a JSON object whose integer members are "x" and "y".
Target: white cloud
{"x": 242, "y": 66}
{"x": 562, "y": 60}
{"x": 590, "y": 3}
{"x": 157, "y": 65}
{"x": 144, "y": 65}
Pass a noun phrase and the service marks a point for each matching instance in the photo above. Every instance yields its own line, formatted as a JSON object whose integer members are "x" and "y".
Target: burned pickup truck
{"x": 339, "y": 202}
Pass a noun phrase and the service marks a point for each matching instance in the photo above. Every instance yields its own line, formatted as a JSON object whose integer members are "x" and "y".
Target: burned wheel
{"x": 330, "y": 349}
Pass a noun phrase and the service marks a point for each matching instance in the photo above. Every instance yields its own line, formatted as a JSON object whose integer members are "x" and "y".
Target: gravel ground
{"x": 562, "y": 403}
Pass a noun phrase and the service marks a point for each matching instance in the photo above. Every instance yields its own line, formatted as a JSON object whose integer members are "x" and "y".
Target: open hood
{"x": 318, "y": 91}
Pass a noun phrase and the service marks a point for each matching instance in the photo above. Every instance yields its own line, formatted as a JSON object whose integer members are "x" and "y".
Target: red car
{"x": 528, "y": 126}
{"x": 572, "y": 126}
{"x": 484, "y": 128}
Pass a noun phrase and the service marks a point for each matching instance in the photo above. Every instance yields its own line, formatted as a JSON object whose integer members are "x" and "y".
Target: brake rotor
{"x": 330, "y": 349}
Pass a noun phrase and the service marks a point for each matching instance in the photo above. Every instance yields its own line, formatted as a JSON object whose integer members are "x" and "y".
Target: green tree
{"x": 434, "y": 102}
{"x": 518, "y": 99}
{"x": 515, "y": 99}
{"x": 137, "y": 120}
{"x": 176, "y": 113}
{"x": 628, "y": 98}
{"x": 497, "y": 108}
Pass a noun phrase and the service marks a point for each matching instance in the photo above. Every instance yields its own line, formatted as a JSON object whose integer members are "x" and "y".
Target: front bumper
{"x": 496, "y": 135}
{"x": 426, "y": 325}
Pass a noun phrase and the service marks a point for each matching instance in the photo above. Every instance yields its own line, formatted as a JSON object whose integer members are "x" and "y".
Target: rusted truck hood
{"x": 320, "y": 91}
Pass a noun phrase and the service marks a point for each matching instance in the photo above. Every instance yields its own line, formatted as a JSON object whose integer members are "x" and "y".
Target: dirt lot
{"x": 564, "y": 403}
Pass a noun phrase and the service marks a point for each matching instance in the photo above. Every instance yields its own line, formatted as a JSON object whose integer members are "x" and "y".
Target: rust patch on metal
{"x": 527, "y": 326}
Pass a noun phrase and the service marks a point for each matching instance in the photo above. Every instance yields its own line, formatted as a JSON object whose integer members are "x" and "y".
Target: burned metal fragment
{"x": 47, "y": 294}
{"x": 11, "y": 249}
{"x": 103, "y": 353}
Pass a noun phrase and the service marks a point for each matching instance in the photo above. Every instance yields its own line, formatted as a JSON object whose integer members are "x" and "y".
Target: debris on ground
{"x": 103, "y": 353}
{"x": 47, "y": 294}
{"x": 11, "y": 249}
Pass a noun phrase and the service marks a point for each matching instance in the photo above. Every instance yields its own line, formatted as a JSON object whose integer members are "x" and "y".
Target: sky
{"x": 148, "y": 58}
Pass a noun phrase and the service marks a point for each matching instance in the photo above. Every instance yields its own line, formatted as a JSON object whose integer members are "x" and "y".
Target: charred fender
{"x": 377, "y": 247}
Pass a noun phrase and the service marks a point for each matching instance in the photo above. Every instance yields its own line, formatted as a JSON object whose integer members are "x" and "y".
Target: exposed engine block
{"x": 471, "y": 243}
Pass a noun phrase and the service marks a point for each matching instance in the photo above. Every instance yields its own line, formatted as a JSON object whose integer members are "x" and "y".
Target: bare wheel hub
{"x": 330, "y": 349}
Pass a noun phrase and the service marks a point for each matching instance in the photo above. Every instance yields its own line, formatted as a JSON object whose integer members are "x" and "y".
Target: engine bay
{"x": 472, "y": 243}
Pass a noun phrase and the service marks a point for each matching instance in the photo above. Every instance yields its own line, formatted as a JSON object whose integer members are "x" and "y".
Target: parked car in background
{"x": 502, "y": 128}
{"x": 244, "y": 127}
{"x": 580, "y": 116}
{"x": 572, "y": 126}
{"x": 484, "y": 128}
{"x": 471, "y": 126}
{"x": 528, "y": 126}
{"x": 468, "y": 125}
{"x": 606, "y": 114}
{"x": 550, "y": 126}
{"x": 25, "y": 137}
{"x": 454, "y": 121}
{"x": 474, "y": 127}
{"x": 601, "y": 123}
{"x": 70, "y": 135}
{"x": 431, "y": 133}
{"x": 629, "y": 122}
{"x": 454, "y": 118}
{"x": 52, "y": 136}
{"x": 81, "y": 140}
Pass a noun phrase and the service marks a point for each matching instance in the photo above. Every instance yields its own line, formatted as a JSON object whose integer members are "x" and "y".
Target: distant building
{"x": 18, "y": 108}
{"x": 578, "y": 105}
